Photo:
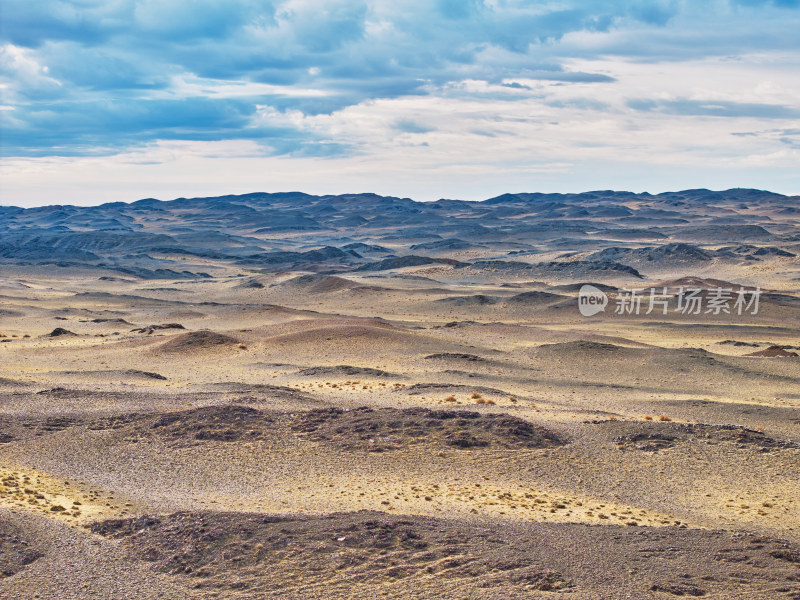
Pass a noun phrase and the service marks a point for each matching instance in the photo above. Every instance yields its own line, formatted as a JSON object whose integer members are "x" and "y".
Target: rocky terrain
{"x": 296, "y": 396}
{"x": 602, "y": 233}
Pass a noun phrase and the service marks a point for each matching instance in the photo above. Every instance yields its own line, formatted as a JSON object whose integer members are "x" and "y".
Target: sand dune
{"x": 318, "y": 284}
{"x": 197, "y": 341}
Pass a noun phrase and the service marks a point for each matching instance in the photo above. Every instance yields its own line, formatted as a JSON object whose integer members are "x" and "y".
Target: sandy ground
{"x": 502, "y": 449}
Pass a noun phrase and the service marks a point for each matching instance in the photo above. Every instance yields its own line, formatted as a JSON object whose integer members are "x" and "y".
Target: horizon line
{"x": 298, "y": 192}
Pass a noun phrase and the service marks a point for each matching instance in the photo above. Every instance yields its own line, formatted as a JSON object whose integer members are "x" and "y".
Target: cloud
{"x": 580, "y": 103}
{"x": 714, "y": 108}
{"x": 778, "y": 3}
{"x": 788, "y": 137}
{"x": 339, "y": 78}
{"x": 186, "y": 20}
{"x": 409, "y": 126}
{"x": 102, "y": 127}
{"x": 96, "y": 22}
{"x": 23, "y": 76}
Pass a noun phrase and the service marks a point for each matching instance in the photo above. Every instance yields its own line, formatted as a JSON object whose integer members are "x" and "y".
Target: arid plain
{"x": 401, "y": 401}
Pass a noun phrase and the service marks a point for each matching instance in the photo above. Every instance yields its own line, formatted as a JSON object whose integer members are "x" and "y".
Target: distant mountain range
{"x": 601, "y": 231}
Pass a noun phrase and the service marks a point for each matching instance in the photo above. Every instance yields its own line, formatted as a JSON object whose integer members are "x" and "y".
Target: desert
{"x": 256, "y": 396}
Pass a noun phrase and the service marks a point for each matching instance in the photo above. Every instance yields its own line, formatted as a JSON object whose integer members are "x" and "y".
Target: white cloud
{"x": 188, "y": 86}
{"x": 22, "y": 74}
{"x": 401, "y": 97}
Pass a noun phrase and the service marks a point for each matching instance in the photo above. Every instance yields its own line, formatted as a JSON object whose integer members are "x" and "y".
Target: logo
{"x": 591, "y": 300}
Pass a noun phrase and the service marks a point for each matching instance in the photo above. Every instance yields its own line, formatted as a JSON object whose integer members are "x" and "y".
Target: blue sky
{"x": 121, "y": 99}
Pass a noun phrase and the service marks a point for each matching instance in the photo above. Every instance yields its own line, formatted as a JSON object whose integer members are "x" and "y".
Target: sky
{"x": 116, "y": 100}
